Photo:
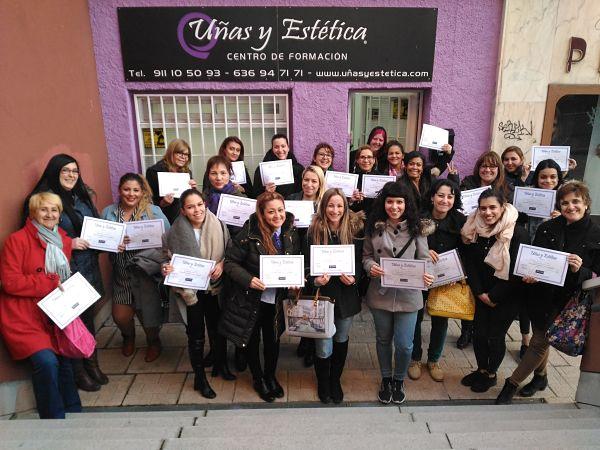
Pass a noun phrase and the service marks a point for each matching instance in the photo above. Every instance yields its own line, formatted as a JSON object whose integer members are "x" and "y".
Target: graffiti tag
{"x": 515, "y": 130}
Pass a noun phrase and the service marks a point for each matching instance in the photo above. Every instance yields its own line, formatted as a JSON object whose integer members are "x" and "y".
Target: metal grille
{"x": 204, "y": 121}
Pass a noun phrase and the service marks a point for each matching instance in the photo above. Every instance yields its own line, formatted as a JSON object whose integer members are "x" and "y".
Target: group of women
{"x": 416, "y": 217}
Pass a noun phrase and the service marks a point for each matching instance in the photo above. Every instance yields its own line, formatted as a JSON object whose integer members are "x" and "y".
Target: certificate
{"x": 234, "y": 210}
{"x": 547, "y": 266}
{"x": 433, "y": 137}
{"x": 189, "y": 272}
{"x": 347, "y": 182}
{"x": 282, "y": 270}
{"x": 372, "y": 184}
{"x": 535, "y": 202}
{"x": 239, "y": 172}
{"x": 331, "y": 260}
{"x": 470, "y": 199}
{"x": 302, "y": 210}
{"x": 144, "y": 234}
{"x": 173, "y": 183}
{"x": 103, "y": 234}
{"x": 559, "y": 153}
{"x": 447, "y": 270}
{"x": 403, "y": 273}
{"x": 278, "y": 172}
{"x": 63, "y": 307}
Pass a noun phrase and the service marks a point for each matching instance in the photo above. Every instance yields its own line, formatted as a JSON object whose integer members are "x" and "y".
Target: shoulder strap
{"x": 403, "y": 250}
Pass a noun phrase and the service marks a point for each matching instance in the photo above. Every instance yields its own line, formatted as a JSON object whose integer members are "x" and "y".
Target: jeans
{"x": 324, "y": 347}
{"x": 437, "y": 338}
{"x": 53, "y": 385}
{"x": 265, "y": 324}
{"x": 399, "y": 326}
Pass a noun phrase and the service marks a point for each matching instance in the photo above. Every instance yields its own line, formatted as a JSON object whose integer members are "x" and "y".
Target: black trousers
{"x": 489, "y": 332}
{"x": 265, "y": 326}
{"x": 201, "y": 317}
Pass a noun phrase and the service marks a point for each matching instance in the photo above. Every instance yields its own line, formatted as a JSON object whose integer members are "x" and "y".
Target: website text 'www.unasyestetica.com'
{"x": 366, "y": 74}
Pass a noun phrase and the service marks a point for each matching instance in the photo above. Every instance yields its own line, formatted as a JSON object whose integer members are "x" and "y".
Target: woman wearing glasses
{"x": 323, "y": 156}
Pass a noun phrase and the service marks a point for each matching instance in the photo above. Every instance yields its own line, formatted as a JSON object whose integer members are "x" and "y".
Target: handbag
{"x": 568, "y": 332}
{"x": 455, "y": 301}
{"x": 74, "y": 340}
{"x": 309, "y": 316}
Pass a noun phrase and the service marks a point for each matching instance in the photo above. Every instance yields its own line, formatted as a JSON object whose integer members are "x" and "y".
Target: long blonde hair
{"x": 177, "y": 145}
{"x": 319, "y": 173}
{"x": 320, "y": 231}
{"x": 146, "y": 201}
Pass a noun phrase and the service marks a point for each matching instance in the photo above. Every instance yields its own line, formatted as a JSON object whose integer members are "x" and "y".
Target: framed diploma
{"x": 470, "y": 199}
{"x": 332, "y": 260}
{"x": 447, "y": 270}
{"x": 189, "y": 272}
{"x": 302, "y": 210}
{"x": 234, "y": 210}
{"x": 372, "y": 184}
{"x": 545, "y": 265}
{"x": 64, "y": 306}
{"x": 282, "y": 270}
{"x": 433, "y": 137}
{"x": 403, "y": 273}
{"x": 103, "y": 234}
{"x": 278, "y": 172}
{"x": 559, "y": 153}
{"x": 239, "y": 172}
{"x": 144, "y": 234}
{"x": 347, "y": 182}
{"x": 535, "y": 202}
{"x": 173, "y": 183}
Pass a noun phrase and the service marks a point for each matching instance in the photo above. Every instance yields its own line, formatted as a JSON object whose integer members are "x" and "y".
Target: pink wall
{"x": 460, "y": 96}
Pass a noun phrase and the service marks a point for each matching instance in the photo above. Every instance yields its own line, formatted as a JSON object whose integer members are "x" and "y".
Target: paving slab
{"x": 526, "y": 439}
{"x": 113, "y": 444}
{"x": 514, "y": 425}
{"x": 166, "y": 363}
{"x": 155, "y": 389}
{"x": 111, "y": 394}
{"x": 482, "y": 416}
{"x": 92, "y": 433}
{"x": 223, "y": 389}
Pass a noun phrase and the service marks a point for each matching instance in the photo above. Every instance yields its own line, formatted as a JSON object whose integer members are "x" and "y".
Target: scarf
{"x": 215, "y": 194}
{"x": 499, "y": 256}
{"x": 55, "y": 259}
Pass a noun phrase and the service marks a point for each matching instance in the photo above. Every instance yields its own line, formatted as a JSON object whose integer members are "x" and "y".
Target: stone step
{"x": 537, "y": 406}
{"x": 83, "y": 444}
{"x": 104, "y": 422}
{"x": 507, "y": 414}
{"x": 384, "y": 410}
{"x": 526, "y": 439}
{"x": 91, "y": 433}
{"x": 514, "y": 425}
{"x": 136, "y": 414}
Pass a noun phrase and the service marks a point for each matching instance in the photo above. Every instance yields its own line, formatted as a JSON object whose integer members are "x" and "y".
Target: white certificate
{"x": 331, "y": 260}
{"x": 470, "y": 199}
{"x": 535, "y": 202}
{"x": 239, "y": 172}
{"x": 433, "y": 137}
{"x": 372, "y": 184}
{"x": 63, "y": 307}
{"x": 347, "y": 182}
{"x": 447, "y": 270}
{"x": 189, "y": 272}
{"x": 103, "y": 234}
{"x": 403, "y": 273}
{"x": 278, "y": 172}
{"x": 282, "y": 270}
{"x": 144, "y": 234}
{"x": 234, "y": 210}
{"x": 559, "y": 153}
{"x": 302, "y": 210}
{"x": 173, "y": 183}
{"x": 547, "y": 266}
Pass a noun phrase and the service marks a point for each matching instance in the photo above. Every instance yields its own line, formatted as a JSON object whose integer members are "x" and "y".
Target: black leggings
{"x": 524, "y": 322}
{"x": 264, "y": 324}
{"x": 206, "y": 310}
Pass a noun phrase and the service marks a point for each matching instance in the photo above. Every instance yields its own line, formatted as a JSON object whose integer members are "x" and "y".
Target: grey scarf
{"x": 55, "y": 259}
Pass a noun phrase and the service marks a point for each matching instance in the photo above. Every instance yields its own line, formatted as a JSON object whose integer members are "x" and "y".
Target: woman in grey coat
{"x": 393, "y": 232}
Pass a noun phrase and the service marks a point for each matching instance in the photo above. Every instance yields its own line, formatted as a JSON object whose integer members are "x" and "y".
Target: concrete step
{"x": 136, "y": 414}
{"x": 83, "y": 444}
{"x": 514, "y": 425}
{"x": 329, "y": 411}
{"x": 537, "y": 406}
{"x": 507, "y": 414}
{"x": 90, "y": 433}
{"x": 526, "y": 439}
{"x": 104, "y": 422}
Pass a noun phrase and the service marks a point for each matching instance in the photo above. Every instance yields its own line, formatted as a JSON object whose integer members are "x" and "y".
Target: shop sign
{"x": 277, "y": 44}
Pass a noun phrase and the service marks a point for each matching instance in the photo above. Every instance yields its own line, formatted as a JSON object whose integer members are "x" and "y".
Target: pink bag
{"x": 74, "y": 341}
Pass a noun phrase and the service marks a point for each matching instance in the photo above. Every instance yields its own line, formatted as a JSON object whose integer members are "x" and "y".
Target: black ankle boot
{"x": 262, "y": 390}
{"x": 201, "y": 384}
{"x": 322, "y": 369}
{"x": 466, "y": 336}
{"x": 537, "y": 383}
{"x": 83, "y": 379}
{"x": 240, "y": 360}
{"x": 93, "y": 369}
{"x": 196, "y": 352}
{"x": 506, "y": 394}
{"x": 338, "y": 361}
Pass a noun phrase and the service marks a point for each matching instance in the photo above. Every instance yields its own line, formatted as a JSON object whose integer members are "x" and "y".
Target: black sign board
{"x": 273, "y": 44}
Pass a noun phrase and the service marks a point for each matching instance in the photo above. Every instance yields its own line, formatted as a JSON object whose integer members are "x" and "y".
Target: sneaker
{"x": 484, "y": 383}
{"x": 436, "y": 372}
{"x": 414, "y": 370}
{"x": 398, "y": 395}
{"x": 471, "y": 378}
{"x": 385, "y": 392}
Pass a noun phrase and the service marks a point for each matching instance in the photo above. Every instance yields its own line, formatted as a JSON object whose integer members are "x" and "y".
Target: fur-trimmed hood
{"x": 357, "y": 222}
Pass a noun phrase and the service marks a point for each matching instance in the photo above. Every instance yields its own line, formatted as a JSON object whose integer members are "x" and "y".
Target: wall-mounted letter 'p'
{"x": 577, "y": 47}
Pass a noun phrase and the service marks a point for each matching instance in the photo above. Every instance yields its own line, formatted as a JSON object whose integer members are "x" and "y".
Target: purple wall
{"x": 461, "y": 95}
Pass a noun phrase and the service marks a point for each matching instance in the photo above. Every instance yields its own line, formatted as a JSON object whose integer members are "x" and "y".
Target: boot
{"x": 537, "y": 383}
{"x": 262, "y": 390}
{"x": 240, "y": 359}
{"x": 322, "y": 371}
{"x": 220, "y": 366}
{"x": 506, "y": 394}
{"x": 309, "y": 355}
{"x": 128, "y": 346}
{"x": 93, "y": 369}
{"x": 466, "y": 335}
{"x": 338, "y": 360}
{"x": 196, "y": 352}
{"x": 154, "y": 346}
{"x": 209, "y": 359}
{"x": 82, "y": 378}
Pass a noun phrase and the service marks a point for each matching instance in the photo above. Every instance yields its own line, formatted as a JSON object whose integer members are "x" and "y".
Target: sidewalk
{"x": 169, "y": 381}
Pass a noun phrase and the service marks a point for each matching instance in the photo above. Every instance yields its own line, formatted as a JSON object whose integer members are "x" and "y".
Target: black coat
{"x": 285, "y": 189}
{"x": 425, "y": 183}
{"x": 172, "y": 210}
{"x": 447, "y": 232}
{"x": 240, "y": 303}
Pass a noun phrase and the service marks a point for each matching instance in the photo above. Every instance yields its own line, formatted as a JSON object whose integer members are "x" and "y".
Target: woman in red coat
{"x": 33, "y": 263}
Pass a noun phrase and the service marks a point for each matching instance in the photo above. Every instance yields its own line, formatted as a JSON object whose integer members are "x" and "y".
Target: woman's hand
{"x": 434, "y": 256}
{"x": 166, "y": 269}
{"x": 575, "y": 262}
{"x": 486, "y": 299}
{"x": 193, "y": 184}
{"x": 554, "y": 214}
{"x": 428, "y": 279}
{"x": 452, "y": 169}
{"x": 376, "y": 271}
{"x": 447, "y": 148}
{"x": 80, "y": 244}
{"x": 322, "y": 280}
{"x": 270, "y": 187}
{"x": 529, "y": 280}
{"x": 357, "y": 196}
{"x": 217, "y": 271}
{"x": 572, "y": 164}
{"x": 239, "y": 187}
{"x": 348, "y": 280}
{"x": 122, "y": 245}
{"x": 167, "y": 200}
{"x": 526, "y": 168}
{"x": 257, "y": 284}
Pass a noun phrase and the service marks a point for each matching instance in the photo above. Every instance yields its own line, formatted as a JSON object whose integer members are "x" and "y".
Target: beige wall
{"x": 49, "y": 104}
{"x": 535, "y": 43}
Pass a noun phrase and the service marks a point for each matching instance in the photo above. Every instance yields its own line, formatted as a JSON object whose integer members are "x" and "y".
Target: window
{"x": 205, "y": 120}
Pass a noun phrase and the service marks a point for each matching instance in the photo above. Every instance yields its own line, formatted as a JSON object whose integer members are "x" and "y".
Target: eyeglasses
{"x": 324, "y": 155}
{"x": 180, "y": 153}
{"x": 366, "y": 157}
{"x": 65, "y": 171}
